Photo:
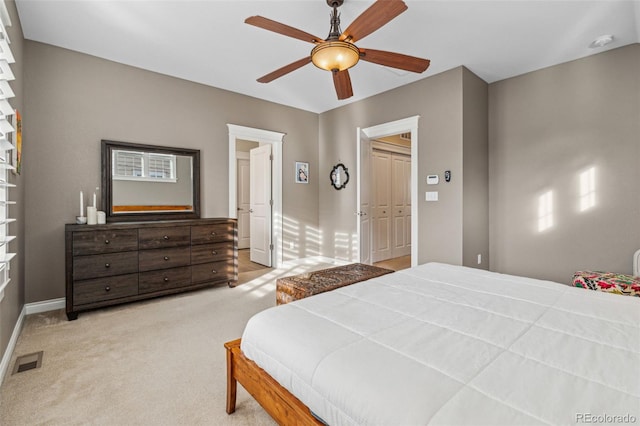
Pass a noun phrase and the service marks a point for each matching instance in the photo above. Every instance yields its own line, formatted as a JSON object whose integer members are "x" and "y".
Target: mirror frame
{"x": 333, "y": 171}
{"x": 107, "y": 187}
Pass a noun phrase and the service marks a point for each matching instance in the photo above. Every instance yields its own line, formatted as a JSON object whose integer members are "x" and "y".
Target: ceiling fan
{"x": 337, "y": 53}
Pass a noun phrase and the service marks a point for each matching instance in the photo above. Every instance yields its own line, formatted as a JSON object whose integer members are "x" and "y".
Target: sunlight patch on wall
{"x": 545, "y": 211}
{"x": 290, "y": 238}
{"x": 313, "y": 238}
{"x": 588, "y": 189}
{"x": 355, "y": 247}
{"x": 299, "y": 240}
{"x": 342, "y": 249}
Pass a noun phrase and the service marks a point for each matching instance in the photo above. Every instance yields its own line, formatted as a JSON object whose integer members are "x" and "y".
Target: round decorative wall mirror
{"x": 339, "y": 176}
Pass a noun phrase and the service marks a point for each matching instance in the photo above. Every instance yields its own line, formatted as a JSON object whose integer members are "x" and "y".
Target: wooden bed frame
{"x": 285, "y": 408}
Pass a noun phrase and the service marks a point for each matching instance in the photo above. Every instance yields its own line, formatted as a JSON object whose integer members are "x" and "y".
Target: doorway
{"x": 365, "y": 215}
{"x": 273, "y": 218}
{"x": 391, "y": 199}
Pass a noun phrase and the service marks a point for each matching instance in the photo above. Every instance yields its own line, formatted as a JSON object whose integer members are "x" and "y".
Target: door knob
{"x": 250, "y": 210}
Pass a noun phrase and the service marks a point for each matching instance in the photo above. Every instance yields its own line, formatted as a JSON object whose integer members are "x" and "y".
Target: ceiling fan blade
{"x": 284, "y": 70}
{"x": 376, "y": 16}
{"x": 342, "y": 82}
{"x": 395, "y": 60}
{"x": 283, "y": 29}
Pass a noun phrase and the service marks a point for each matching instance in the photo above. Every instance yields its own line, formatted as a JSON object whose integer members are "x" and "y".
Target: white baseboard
{"x": 45, "y": 306}
{"x": 6, "y": 359}
{"x": 28, "y": 309}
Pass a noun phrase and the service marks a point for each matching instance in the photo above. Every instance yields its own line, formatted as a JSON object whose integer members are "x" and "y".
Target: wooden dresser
{"x": 123, "y": 262}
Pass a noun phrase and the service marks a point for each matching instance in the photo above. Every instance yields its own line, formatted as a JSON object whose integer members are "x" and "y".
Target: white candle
{"x": 92, "y": 216}
{"x": 81, "y": 205}
{"x": 94, "y": 199}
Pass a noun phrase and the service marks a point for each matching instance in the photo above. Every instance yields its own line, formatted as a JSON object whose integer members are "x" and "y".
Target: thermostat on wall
{"x": 432, "y": 180}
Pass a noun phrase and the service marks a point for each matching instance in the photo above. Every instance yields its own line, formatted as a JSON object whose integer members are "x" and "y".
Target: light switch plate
{"x": 431, "y": 195}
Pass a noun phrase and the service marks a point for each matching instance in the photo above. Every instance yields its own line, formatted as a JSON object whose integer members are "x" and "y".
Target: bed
{"x": 443, "y": 344}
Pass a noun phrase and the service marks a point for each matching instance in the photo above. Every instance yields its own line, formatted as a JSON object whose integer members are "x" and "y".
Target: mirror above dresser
{"x": 149, "y": 182}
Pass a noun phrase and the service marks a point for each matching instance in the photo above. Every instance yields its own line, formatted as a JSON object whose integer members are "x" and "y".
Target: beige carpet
{"x": 159, "y": 362}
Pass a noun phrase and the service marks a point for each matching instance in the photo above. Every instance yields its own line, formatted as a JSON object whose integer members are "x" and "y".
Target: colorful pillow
{"x": 608, "y": 282}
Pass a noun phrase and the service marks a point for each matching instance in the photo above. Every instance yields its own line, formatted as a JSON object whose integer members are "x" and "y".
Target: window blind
{"x": 8, "y": 140}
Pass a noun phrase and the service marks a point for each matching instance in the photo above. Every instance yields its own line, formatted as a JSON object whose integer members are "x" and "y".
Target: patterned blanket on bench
{"x": 608, "y": 281}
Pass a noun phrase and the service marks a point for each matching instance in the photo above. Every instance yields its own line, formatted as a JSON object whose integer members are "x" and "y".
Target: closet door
{"x": 407, "y": 204}
{"x": 400, "y": 190}
{"x": 382, "y": 206}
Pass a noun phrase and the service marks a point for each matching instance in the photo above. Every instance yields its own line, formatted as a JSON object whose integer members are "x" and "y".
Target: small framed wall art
{"x": 302, "y": 172}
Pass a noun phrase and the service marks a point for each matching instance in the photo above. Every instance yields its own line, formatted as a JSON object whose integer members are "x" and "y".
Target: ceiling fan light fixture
{"x": 335, "y": 55}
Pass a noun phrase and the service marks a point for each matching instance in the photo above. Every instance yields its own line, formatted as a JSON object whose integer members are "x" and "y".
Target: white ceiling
{"x": 208, "y": 42}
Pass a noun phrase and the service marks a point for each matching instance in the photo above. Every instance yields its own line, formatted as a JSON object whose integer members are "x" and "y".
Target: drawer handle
{"x": 213, "y": 234}
{"x": 214, "y": 252}
{"x": 107, "y": 265}
{"x": 107, "y": 288}
{"x": 213, "y": 271}
{"x": 166, "y": 279}
{"x": 166, "y": 237}
{"x": 106, "y": 241}
{"x": 166, "y": 258}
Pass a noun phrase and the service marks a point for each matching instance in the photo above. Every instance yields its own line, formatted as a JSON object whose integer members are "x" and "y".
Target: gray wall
{"x": 438, "y": 100}
{"x": 546, "y": 127}
{"x": 75, "y": 100}
{"x": 475, "y": 159}
{"x": 14, "y": 294}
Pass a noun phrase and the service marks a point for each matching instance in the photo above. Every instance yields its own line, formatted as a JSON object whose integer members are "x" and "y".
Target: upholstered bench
{"x": 608, "y": 282}
{"x": 300, "y": 286}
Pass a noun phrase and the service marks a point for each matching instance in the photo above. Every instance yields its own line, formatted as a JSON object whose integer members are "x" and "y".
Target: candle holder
{"x": 81, "y": 220}
{"x": 101, "y": 217}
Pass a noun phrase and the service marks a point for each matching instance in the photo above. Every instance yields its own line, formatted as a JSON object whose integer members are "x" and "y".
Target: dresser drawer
{"x": 204, "y": 234}
{"x": 164, "y": 279}
{"x": 101, "y": 289}
{"x": 206, "y": 253}
{"x": 97, "y": 242}
{"x": 217, "y": 271}
{"x": 164, "y": 258}
{"x": 104, "y": 265}
{"x": 154, "y": 238}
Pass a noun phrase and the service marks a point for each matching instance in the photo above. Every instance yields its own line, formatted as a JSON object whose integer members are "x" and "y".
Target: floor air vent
{"x": 28, "y": 362}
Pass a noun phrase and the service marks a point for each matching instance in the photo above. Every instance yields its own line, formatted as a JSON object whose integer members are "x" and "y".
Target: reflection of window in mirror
{"x": 133, "y": 165}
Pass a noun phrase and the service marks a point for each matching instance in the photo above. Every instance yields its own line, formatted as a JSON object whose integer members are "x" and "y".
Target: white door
{"x": 260, "y": 205}
{"x": 382, "y": 208}
{"x": 401, "y": 195}
{"x": 243, "y": 202}
{"x": 363, "y": 195}
{"x": 407, "y": 231}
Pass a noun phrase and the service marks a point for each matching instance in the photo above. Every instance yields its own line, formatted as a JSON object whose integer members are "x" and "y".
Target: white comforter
{"x": 442, "y": 344}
